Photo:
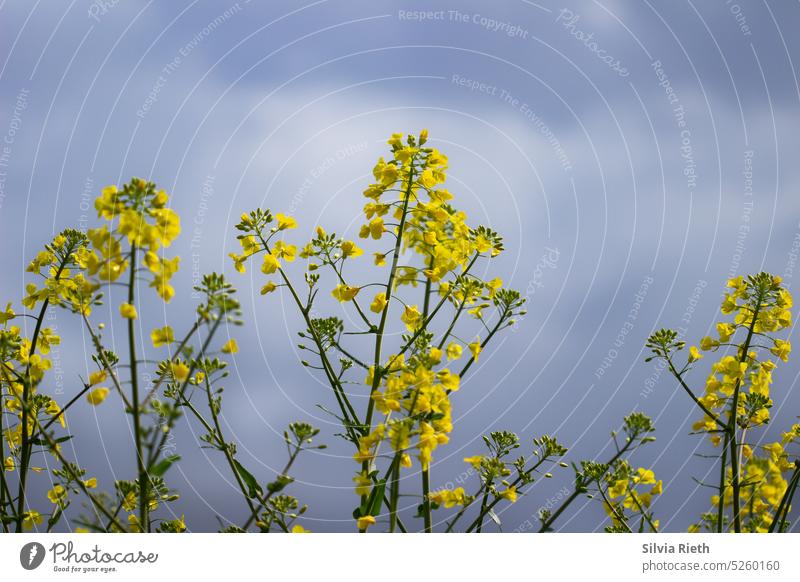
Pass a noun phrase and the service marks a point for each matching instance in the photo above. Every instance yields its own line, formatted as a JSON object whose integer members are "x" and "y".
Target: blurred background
{"x": 633, "y": 155}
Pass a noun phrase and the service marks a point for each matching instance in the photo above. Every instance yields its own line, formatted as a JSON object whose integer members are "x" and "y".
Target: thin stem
{"x": 691, "y": 394}
{"x": 144, "y": 518}
{"x": 25, "y": 452}
{"x": 53, "y": 447}
{"x": 394, "y": 492}
{"x": 734, "y": 449}
{"x": 389, "y": 286}
{"x": 264, "y": 500}
{"x": 578, "y": 490}
{"x": 786, "y": 500}
{"x": 426, "y": 499}
{"x": 620, "y": 517}
{"x": 484, "y": 510}
{"x": 722, "y": 478}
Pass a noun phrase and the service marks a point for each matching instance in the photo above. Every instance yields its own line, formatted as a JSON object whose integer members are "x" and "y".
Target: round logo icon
{"x": 31, "y": 555}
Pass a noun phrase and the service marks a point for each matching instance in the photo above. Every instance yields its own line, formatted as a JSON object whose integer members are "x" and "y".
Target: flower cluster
{"x": 138, "y": 214}
{"x": 429, "y": 250}
{"x": 628, "y": 495}
{"x": 28, "y": 413}
{"x": 736, "y": 400}
{"x": 155, "y": 392}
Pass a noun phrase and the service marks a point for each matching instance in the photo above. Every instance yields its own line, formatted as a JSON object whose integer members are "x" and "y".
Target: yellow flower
{"x": 285, "y": 222}
{"x": 411, "y": 317}
{"x": 380, "y": 259}
{"x": 268, "y": 288}
{"x": 180, "y": 371}
{"x": 238, "y": 262}
{"x": 128, "y": 311}
{"x": 90, "y": 483}
{"x": 270, "y": 265}
{"x": 375, "y": 229}
{"x": 349, "y": 249}
{"x": 782, "y": 349}
{"x": 619, "y": 488}
{"x": 31, "y": 518}
{"x": 694, "y": 354}
{"x": 448, "y": 497}
{"x": 284, "y": 251}
{"x": 160, "y": 199}
{"x": 475, "y": 461}
{"x": 475, "y": 348}
{"x": 365, "y": 522}
{"x": 9, "y": 464}
{"x": 708, "y": 343}
{"x": 230, "y": 347}
{"x": 97, "y": 396}
{"x": 57, "y": 494}
{"x": 493, "y": 285}
{"x": 658, "y": 488}
{"x": 97, "y": 377}
{"x": 379, "y": 303}
{"x": 725, "y": 331}
{"x": 344, "y": 293}
{"x": 454, "y": 351}
{"x": 299, "y": 529}
{"x": 7, "y": 314}
{"x": 162, "y": 336}
{"x": 510, "y": 494}
{"x": 363, "y": 483}
{"x": 645, "y": 476}
{"x": 53, "y": 409}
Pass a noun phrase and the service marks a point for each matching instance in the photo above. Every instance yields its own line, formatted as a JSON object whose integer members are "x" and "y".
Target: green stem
{"x": 25, "y": 452}
{"x": 785, "y": 504}
{"x": 144, "y": 514}
{"x": 384, "y": 314}
{"x": 722, "y": 478}
{"x": 578, "y": 490}
{"x": 734, "y": 449}
{"x": 426, "y": 500}
{"x": 394, "y": 492}
{"x": 264, "y": 500}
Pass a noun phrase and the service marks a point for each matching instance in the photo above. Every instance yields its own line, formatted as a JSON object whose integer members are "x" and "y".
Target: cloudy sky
{"x": 633, "y": 155}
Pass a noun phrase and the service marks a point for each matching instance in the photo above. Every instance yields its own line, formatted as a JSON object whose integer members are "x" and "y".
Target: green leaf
{"x": 253, "y": 488}
{"x": 163, "y": 466}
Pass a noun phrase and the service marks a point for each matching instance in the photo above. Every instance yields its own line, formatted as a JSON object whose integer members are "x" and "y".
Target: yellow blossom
{"x": 509, "y": 494}
{"x": 180, "y": 371}
{"x": 365, "y": 522}
{"x": 350, "y": 249}
{"x": 270, "y": 264}
{"x": 454, "y": 351}
{"x": 57, "y": 494}
{"x": 96, "y": 396}
{"x": 285, "y": 222}
{"x": 230, "y": 347}
{"x": 379, "y": 303}
{"x": 344, "y": 293}
{"x": 475, "y": 348}
{"x": 97, "y": 377}
{"x": 128, "y": 311}
{"x": 162, "y": 336}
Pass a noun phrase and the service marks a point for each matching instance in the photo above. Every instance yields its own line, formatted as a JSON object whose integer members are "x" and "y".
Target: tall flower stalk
{"x": 753, "y": 494}
{"x": 427, "y": 253}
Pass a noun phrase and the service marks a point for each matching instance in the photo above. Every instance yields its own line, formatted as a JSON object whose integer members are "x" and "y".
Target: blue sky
{"x": 634, "y": 156}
